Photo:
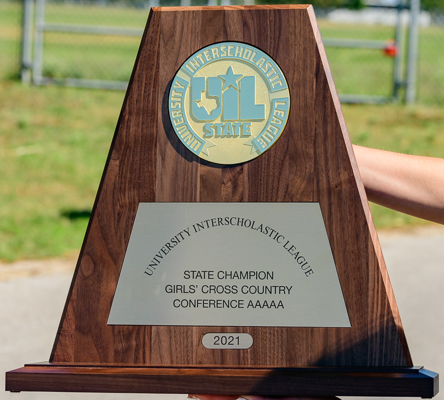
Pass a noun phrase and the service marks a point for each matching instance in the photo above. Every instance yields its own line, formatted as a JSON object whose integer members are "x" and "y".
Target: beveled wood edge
{"x": 267, "y": 382}
{"x": 234, "y": 8}
{"x": 253, "y": 368}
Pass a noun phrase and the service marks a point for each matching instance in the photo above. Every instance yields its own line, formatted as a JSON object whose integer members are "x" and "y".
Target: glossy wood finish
{"x": 415, "y": 382}
{"x": 313, "y": 161}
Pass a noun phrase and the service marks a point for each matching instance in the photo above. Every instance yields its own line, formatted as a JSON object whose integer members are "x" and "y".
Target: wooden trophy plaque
{"x": 231, "y": 249}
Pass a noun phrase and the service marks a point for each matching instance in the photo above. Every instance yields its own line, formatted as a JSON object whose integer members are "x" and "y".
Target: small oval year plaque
{"x": 227, "y": 340}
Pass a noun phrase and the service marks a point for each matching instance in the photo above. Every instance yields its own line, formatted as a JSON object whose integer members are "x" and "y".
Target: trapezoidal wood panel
{"x": 312, "y": 161}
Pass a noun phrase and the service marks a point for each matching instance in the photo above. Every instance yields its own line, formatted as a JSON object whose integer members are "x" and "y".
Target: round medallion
{"x": 229, "y": 102}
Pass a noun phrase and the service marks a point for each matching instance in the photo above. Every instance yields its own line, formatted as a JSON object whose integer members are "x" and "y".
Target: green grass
{"x": 104, "y": 59}
{"x": 53, "y": 148}
{"x": 430, "y": 71}
{"x": 54, "y": 140}
{"x": 350, "y": 65}
{"x": 9, "y": 39}
{"x": 411, "y": 130}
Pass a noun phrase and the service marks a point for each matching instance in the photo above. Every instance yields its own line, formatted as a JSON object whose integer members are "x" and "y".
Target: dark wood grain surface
{"x": 313, "y": 161}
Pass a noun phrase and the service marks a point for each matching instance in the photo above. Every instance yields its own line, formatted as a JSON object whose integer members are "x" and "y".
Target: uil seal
{"x": 229, "y": 102}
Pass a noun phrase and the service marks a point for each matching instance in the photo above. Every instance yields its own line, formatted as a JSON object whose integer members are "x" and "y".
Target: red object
{"x": 390, "y": 49}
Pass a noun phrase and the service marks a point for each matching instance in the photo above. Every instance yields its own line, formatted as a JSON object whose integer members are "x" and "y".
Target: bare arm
{"x": 411, "y": 184}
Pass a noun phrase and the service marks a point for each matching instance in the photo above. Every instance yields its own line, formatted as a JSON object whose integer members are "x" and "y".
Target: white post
{"x": 399, "y": 58}
{"x": 37, "y": 66}
{"x": 26, "y": 61}
{"x": 412, "y": 63}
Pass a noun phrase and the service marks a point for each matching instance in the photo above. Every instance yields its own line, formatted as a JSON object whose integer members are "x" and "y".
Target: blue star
{"x": 230, "y": 79}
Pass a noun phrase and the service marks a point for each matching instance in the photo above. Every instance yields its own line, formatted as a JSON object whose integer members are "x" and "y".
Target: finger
{"x": 248, "y": 397}
{"x": 211, "y": 397}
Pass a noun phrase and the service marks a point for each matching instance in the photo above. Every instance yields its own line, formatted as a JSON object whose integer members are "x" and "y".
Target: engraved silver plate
{"x": 229, "y": 264}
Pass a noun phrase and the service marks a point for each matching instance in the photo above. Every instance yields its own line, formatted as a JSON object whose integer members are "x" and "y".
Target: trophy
{"x": 231, "y": 248}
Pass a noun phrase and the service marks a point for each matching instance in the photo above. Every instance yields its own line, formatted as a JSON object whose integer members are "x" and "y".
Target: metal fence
{"x": 390, "y": 50}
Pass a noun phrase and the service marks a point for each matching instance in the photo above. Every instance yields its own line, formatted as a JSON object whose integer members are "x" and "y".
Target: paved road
{"x": 31, "y": 307}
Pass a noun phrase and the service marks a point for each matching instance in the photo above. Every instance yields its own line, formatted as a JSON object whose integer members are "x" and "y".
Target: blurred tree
{"x": 432, "y": 5}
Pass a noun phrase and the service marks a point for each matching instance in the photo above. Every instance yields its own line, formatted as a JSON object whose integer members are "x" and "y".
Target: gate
{"x": 93, "y": 44}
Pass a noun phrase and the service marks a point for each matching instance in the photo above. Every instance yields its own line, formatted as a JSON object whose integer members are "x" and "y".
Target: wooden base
{"x": 406, "y": 382}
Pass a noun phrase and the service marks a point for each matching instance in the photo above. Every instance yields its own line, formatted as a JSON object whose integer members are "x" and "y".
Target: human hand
{"x": 249, "y": 397}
